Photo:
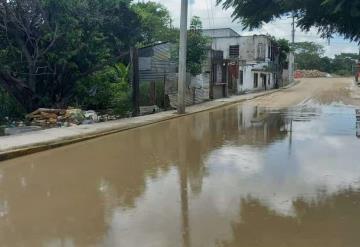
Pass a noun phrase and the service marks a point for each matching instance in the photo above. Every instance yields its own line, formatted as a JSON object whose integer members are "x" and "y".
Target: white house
{"x": 255, "y": 58}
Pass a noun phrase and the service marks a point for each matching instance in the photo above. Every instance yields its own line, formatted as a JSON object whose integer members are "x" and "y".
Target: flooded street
{"x": 252, "y": 174}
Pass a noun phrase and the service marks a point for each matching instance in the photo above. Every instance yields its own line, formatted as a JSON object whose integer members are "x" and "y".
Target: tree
{"x": 310, "y": 48}
{"x": 156, "y": 23}
{"x": 308, "y": 55}
{"x": 284, "y": 49}
{"x": 197, "y": 46}
{"x": 343, "y": 63}
{"x": 46, "y": 46}
{"x": 328, "y": 16}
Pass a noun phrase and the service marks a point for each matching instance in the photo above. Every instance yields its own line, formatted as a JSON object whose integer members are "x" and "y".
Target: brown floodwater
{"x": 238, "y": 176}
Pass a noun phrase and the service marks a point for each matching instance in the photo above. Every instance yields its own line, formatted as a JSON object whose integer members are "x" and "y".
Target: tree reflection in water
{"x": 330, "y": 220}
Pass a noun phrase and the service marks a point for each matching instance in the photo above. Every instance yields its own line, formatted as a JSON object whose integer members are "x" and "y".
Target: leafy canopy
{"x": 198, "y": 46}
{"x": 310, "y": 55}
{"x": 328, "y": 16}
{"x": 156, "y": 23}
{"x": 46, "y": 46}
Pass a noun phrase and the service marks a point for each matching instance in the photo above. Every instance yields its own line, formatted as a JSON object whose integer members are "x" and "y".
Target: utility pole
{"x": 134, "y": 57}
{"x": 292, "y": 56}
{"x": 293, "y": 29}
{"x": 182, "y": 57}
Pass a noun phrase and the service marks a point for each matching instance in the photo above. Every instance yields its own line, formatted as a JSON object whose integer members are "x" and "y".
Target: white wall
{"x": 248, "y": 83}
{"x": 266, "y": 42}
{"x": 223, "y": 44}
{"x": 248, "y": 53}
{"x": 248, "y": 46}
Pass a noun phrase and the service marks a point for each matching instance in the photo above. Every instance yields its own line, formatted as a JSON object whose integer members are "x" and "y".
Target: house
{"x": 252, "y": 61}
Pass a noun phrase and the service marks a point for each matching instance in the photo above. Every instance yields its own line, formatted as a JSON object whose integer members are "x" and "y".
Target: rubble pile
{"x": 44, "y": 118}
{"x": 310, "y": 74}
{"x": 60, "y": 117}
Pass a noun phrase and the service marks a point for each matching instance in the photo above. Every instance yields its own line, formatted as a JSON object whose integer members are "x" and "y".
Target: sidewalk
{"x": 32, "y": 142}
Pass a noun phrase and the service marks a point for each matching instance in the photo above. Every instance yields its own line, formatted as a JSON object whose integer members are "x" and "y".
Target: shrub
{"x": 343, "y": 72}
{"x": 121, "y": 99}
{"x": 106, "y": 89}
{"x": 9, "y": 107}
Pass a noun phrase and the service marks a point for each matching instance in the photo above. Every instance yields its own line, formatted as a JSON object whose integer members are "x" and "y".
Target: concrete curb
{"x": 22, "y": 150}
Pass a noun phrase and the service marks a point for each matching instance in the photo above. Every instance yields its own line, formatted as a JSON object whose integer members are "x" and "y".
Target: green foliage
{"x": 284, "y": 49}
{"x": 328, "y": 16}
{"x": 155, "y": 23}
{"x": 121, "y": 99}
{"x": 343, "y": 72}
{"x": 343, "y": 63}
{"x": 197, "y": 47}
{"x": 309, "y": 55}
{"x": 310, "y": 48}
{"x": 105, "y": 89}
{"x": 9, "y": 107}
{"x": 46, "y": 46}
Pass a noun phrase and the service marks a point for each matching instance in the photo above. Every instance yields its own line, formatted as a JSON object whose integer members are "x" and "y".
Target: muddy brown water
{"x": 237, "y": 176}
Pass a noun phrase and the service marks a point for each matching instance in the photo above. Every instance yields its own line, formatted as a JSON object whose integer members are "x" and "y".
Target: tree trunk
{"x": 20, "y": 91}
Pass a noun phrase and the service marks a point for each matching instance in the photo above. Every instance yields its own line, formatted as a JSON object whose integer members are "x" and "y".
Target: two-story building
{"x": 252, "y": 60}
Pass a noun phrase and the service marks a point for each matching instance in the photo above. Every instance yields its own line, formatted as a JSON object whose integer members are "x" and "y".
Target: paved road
{"x": 236, "y": 176}
{"x": 322, "y": 90}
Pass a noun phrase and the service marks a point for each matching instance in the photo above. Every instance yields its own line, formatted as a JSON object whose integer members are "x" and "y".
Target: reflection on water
{"x": 329, "y": 220}
{"x": 239, "y": 176}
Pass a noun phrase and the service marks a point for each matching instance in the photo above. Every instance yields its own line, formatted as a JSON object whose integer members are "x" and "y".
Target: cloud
{"x": 215, "y": 17}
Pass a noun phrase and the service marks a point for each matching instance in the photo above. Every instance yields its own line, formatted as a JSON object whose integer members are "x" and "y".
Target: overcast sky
{"x": 215, "y": 17}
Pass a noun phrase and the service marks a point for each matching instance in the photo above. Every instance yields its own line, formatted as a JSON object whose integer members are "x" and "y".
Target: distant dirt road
{"x": 322, "y": 90}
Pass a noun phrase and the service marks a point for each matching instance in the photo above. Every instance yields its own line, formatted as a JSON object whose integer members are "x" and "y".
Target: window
{"x": 234, "y": 51}
{"x": 256, "y": 80}
{"x": 261, "y": 51}
{"x": 241, "y": 77}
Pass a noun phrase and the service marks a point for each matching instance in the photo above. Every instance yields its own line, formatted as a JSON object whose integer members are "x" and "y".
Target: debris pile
{"x": 310, "y": 74}
{"x": 47, "y": 118}
{"x": 44, "y": 118}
